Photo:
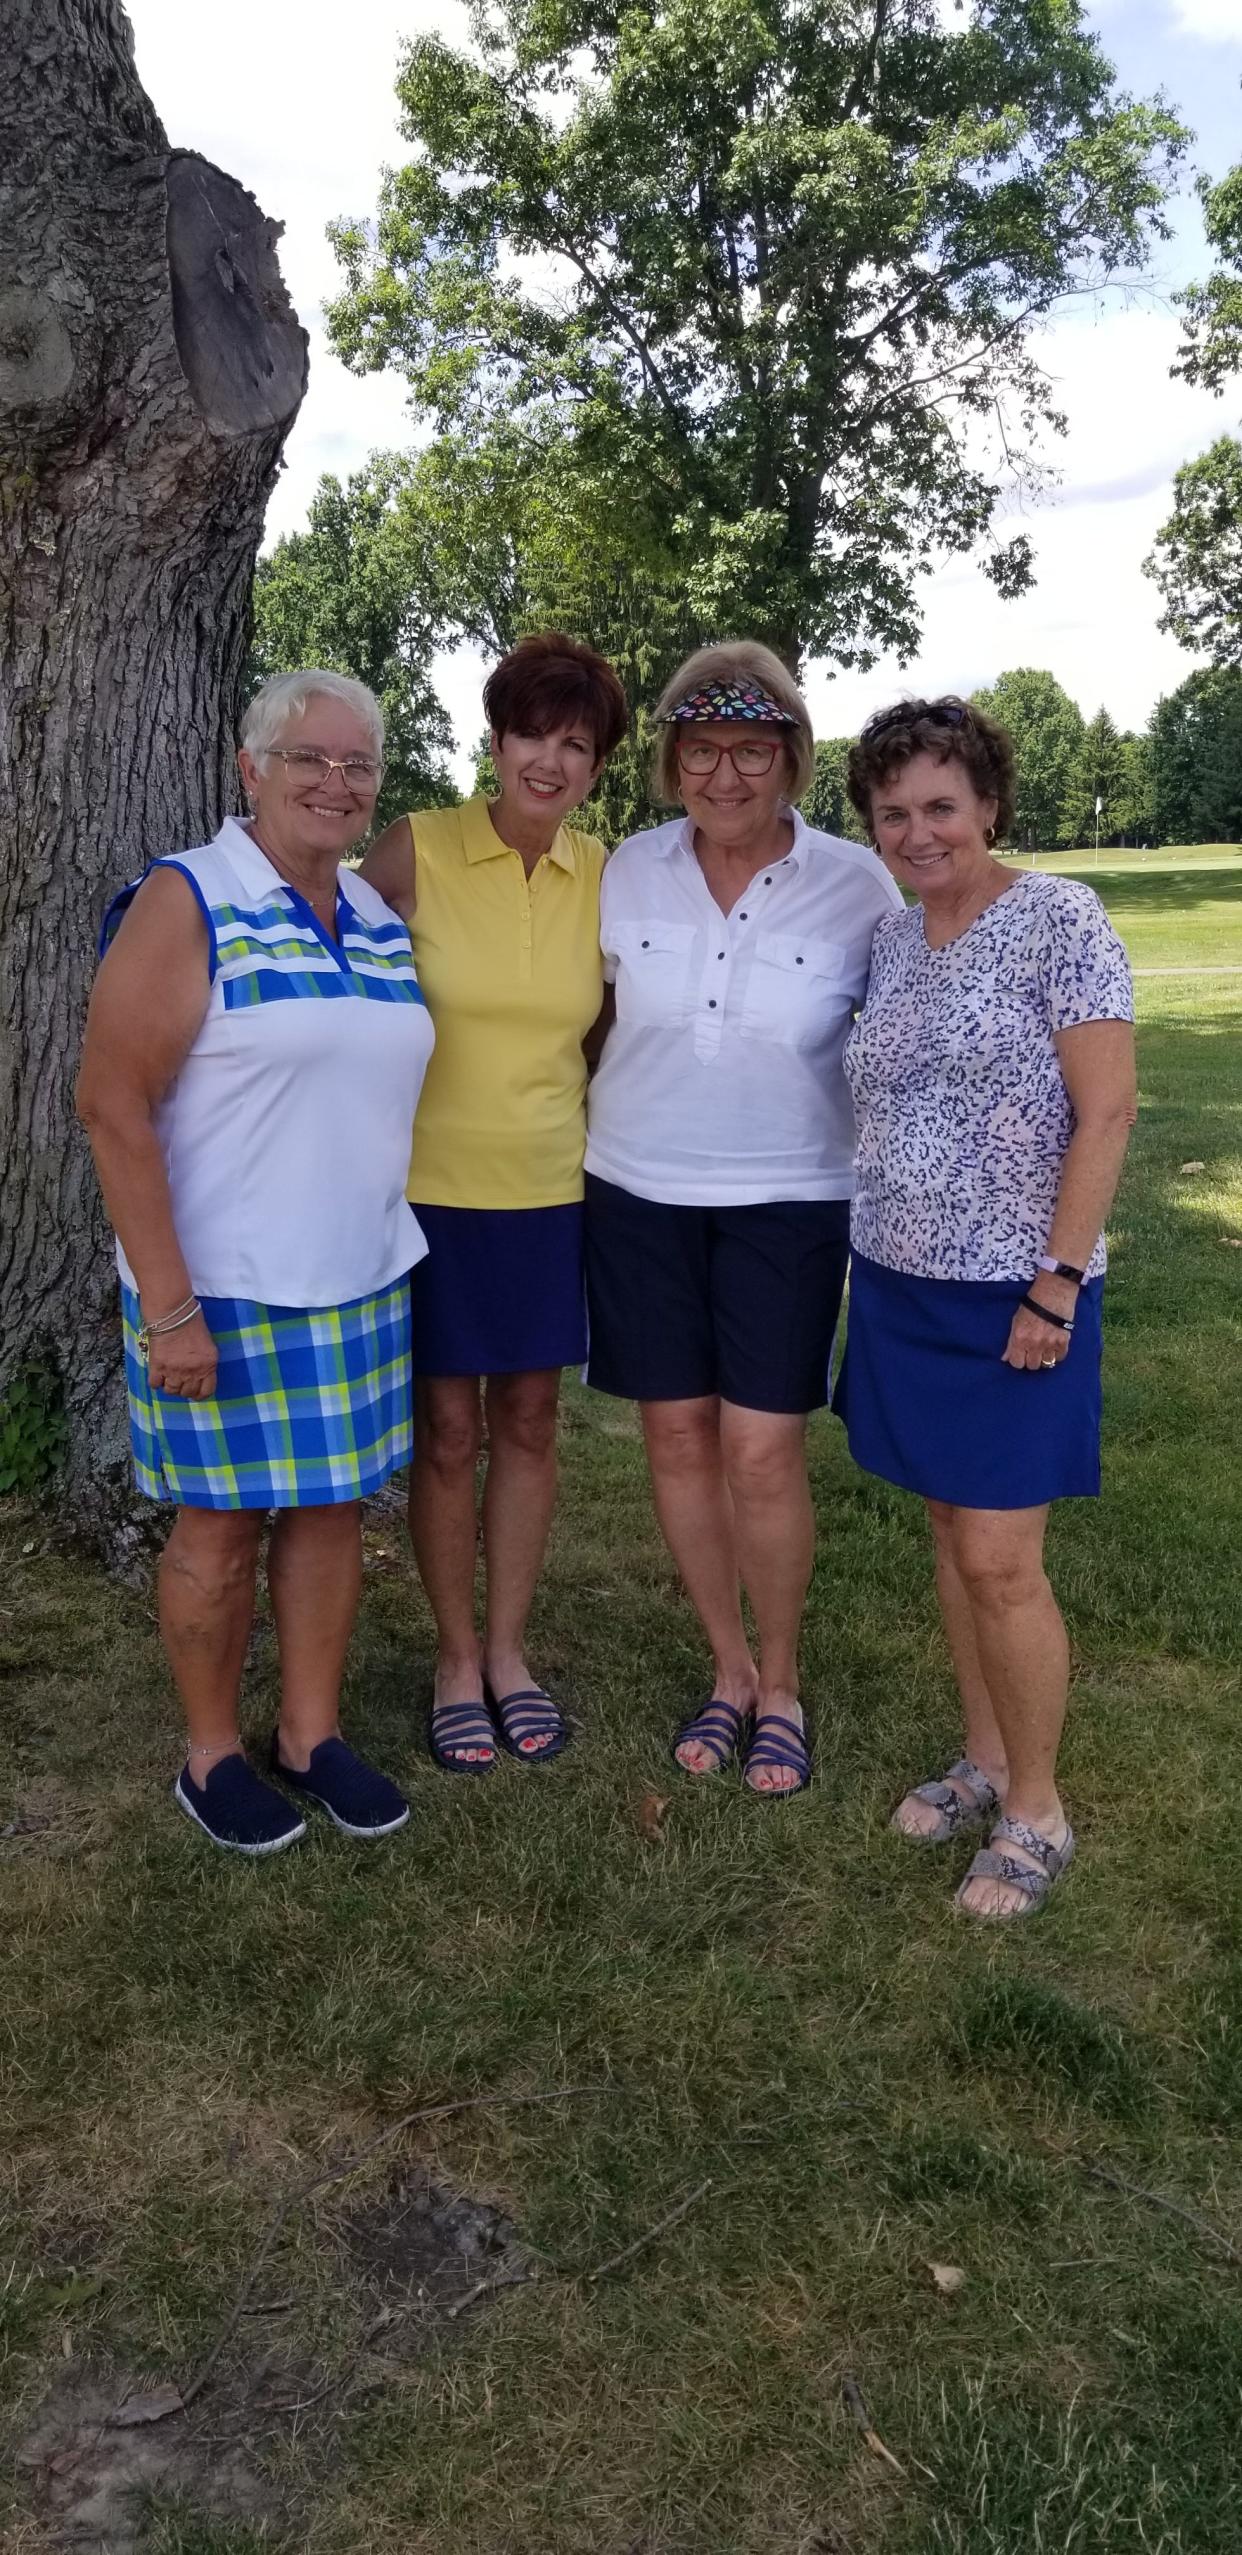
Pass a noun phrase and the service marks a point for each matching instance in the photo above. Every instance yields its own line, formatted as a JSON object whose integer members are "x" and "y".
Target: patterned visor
{"x": 728, "y": 701}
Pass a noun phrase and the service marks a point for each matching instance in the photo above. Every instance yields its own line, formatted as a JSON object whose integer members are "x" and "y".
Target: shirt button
{"x": 742, "y": 918}
{"x": 720, "y": 953}
{"x": 767, "y": 882}
{"x": 712, "y": 1004}
{"x": 797, "y": 962}
{"x": 646, "y": 944}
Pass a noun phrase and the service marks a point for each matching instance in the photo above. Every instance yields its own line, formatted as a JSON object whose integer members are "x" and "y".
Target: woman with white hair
{"x": 720, "y": 1163}
{"x": 254, "y": 1052}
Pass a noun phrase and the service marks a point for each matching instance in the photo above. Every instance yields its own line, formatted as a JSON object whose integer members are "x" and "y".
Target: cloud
{"x": 1215, "y": 20}
{"x": 1091, "y": 617}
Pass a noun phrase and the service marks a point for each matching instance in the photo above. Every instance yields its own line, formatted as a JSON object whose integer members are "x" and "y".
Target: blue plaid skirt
{"x": 310, "y": 1408}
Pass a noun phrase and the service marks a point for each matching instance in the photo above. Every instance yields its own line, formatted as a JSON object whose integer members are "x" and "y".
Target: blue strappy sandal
{"x": 719, "y": 1727}
{"x": 529, "y": 1713}
{"x": 791, "y": 1751}
{"x": 461, "y": 1725}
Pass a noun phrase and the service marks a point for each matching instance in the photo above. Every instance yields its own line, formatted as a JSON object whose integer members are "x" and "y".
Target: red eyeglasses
{"x": 750, "y": 758}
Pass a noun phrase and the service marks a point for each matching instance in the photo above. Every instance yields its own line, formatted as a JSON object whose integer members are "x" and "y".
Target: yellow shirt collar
{"x": 483, "y": 843}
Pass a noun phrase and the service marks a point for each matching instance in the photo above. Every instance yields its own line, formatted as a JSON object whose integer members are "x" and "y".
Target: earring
{"x": 990, "y": 836}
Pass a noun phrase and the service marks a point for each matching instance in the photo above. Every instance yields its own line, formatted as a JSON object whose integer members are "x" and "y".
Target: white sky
{"x": 295, "y": 98}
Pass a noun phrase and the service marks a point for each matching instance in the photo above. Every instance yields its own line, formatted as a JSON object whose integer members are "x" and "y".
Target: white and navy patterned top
{"x": 963, "y": 1114}
{"x": 286, "y": 1134}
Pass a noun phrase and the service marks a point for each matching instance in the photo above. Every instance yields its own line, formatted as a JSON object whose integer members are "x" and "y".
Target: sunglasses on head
{"x": 906, "y": 713}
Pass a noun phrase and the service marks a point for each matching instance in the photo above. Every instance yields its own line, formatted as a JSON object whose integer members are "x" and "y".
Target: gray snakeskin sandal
{"x": 956, "y": 1812}
{"x": 988, "y": 1865}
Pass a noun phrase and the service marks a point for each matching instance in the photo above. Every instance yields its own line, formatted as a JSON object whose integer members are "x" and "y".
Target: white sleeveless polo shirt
{"x": 286, "y": 1134}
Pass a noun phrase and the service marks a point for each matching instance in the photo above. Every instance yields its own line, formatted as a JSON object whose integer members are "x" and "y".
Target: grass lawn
{"x": 772, "y": 1996}
{"x": 1176, "y": 908}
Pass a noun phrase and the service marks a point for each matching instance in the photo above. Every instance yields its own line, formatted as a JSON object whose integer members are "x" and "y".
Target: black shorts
{"x": 740, "y": 1301}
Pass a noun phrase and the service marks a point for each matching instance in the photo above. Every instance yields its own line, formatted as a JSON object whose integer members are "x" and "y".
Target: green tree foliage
{"x": 346, "y": 594}
{"x": 1134, "y": 806}
{"x": 826, "y": 803}
{"x": 1097, "y": 773}
{"x": 1196, "y": 750}
{"x": 1047, "y": 730}
{"x": 1211, "y": 348}
{"x": 762, "y": 277}
{"x": 419, "y": 551}
{"x": 1197, "y": 559}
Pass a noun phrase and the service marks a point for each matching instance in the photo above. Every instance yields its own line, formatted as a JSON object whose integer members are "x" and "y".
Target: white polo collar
{"x": 261, "y": 876}
{"x": 679, "y": 837}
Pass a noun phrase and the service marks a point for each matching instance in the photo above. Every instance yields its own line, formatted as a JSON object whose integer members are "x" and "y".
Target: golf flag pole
{"x": 1098, "y": 807}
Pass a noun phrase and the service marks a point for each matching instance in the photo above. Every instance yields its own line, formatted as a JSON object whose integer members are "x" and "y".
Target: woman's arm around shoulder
{"x": 389, "y": 867}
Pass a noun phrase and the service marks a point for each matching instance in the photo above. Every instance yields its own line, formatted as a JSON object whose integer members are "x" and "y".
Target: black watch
{"x": 1060, "y": 1268}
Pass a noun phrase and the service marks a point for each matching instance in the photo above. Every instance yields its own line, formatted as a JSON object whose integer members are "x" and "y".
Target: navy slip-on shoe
{"x": 235, "y": 1808}
{"x": 356, "y": 1798}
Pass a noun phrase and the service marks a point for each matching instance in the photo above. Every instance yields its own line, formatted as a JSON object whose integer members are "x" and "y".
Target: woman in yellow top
{"x": 502, "y": 902}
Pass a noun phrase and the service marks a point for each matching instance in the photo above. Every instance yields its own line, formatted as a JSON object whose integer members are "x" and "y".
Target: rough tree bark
{"x": 150, "y": 368}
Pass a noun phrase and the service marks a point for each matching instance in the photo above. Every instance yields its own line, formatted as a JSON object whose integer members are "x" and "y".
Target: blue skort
{"x": 501, "y": 1291}
{"x": 929, "y": 1404}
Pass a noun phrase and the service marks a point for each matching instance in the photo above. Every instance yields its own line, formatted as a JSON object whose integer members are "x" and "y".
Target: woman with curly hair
{"x": 992, "y": 1070}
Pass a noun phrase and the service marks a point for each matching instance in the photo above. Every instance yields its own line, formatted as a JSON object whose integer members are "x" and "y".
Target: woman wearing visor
{"x": 720, "y": 1164}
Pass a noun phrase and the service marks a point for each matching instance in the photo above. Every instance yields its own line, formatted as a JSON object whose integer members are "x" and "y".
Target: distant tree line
{"x": 1179, "y": 781}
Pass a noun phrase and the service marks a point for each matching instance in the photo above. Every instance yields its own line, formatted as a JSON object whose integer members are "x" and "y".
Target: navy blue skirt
{"x": 501, "y": 1291}
{"x": 929, "y": 1404}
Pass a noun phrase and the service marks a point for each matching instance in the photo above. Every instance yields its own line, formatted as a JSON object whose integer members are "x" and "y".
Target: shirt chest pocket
{"x": 799, "y": 989}
{"x": 653, "y": 971}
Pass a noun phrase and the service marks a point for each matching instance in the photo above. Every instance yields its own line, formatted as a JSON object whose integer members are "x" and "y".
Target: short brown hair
{"x": 734, "y": 661}
{"x": 948, "y": 728}
{"x": 550, "y": 680}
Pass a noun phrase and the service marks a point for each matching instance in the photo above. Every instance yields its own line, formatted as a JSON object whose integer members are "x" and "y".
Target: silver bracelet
{"x": 175, "y": 1321}
{"x": 180, "y": 1312}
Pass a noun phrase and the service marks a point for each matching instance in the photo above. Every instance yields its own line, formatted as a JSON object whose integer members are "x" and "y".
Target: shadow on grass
{"x": 1063, "y": 2050}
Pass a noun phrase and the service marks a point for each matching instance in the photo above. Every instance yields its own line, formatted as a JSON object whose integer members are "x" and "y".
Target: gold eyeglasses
{"x": 308, "y": 764}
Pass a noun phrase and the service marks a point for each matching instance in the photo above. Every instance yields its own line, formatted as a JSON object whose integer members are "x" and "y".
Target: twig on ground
{"x": 340, "y": 2173}
{"x": 518, "y": 2278}
{"x": 522, "y": 2275}
{"x": 855, "y": 2404}
{"x": 615, "y": 2261}
{"x": 1174, "y": 2208}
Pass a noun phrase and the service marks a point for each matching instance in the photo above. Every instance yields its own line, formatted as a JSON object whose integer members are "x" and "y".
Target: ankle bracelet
{"x": 221, "y": 1749}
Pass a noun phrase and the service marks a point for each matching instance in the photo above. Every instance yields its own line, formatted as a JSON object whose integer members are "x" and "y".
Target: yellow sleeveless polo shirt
{"x": 513, "y": 978}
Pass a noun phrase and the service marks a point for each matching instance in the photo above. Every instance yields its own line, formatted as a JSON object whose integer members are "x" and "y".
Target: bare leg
{"x": 1024, "y": 1658}
{"x": 519, "y": 1496}
{"x": 695, "y": 1510}
{"x": 206, "y": 1604}
{"x": 314, "y": 1577}
{"x": 984, "y": 1744}
{"x": 448, "y": 1432}
{"x": 765, "y": 1459}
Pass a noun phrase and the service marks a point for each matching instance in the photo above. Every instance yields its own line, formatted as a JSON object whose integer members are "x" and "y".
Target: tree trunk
{"x": 150, "y": 368}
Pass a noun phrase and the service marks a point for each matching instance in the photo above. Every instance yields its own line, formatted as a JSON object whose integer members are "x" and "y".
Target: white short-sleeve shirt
{"x": 963, "y": 1112}
{"x": 721, "y": 1082}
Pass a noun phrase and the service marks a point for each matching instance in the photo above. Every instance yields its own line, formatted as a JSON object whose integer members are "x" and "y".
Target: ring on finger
{"x": 1049, "y": 1361}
